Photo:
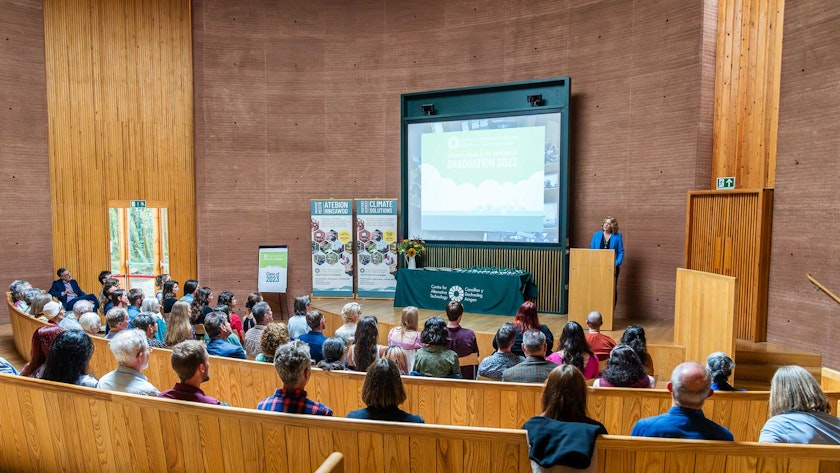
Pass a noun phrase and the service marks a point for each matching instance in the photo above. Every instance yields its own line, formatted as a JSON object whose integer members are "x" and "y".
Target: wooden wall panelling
{"x": 545, "y": 265}
{"x": 747, "y": 83}
{"x": 120, "y": 107}
{"x": 728, "y": 232}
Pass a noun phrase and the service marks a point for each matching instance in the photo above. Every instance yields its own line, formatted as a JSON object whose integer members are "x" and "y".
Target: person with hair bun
{"x": 720, "y": 365}
{"x": 799, "y": 410}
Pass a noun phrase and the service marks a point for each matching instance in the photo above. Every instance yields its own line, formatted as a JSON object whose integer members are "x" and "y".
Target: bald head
{"x": 690, "y": 385}
{"x": 594, "y": 320}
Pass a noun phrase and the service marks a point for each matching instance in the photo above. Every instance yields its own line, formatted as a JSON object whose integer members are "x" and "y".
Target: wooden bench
{"x": 46, "y": 426}
{"x": 438, "y": 401}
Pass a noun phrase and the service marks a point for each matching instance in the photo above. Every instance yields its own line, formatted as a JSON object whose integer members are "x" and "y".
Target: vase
{"x": 411, "y": 262}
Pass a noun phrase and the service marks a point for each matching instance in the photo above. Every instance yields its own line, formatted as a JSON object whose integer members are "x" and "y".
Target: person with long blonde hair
{"x": 407, "y": 335}
{"x": 179, "y": 328}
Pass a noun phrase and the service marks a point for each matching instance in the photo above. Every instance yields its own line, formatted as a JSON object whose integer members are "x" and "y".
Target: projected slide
{"x": 484, "y": 180}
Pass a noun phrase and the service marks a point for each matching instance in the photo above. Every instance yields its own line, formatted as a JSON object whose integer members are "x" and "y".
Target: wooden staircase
{"x": 755, "y": 363}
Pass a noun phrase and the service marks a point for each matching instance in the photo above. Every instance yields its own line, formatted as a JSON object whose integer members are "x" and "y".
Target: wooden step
{"x": 756, "y": 363}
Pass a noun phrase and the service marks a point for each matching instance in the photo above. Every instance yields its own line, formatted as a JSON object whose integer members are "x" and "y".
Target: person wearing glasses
{"x": 132, "y": 350}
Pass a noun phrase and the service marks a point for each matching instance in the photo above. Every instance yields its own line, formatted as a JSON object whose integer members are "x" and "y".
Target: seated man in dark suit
{"x": 68, "y": 292}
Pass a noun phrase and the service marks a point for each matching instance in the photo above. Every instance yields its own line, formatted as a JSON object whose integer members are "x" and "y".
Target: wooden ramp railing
{"x": 439, "y": 401}
{"x": 46, "y": 426}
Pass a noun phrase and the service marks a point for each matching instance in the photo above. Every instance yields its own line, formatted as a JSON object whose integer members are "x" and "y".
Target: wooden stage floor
{"x": 384, "y": 310}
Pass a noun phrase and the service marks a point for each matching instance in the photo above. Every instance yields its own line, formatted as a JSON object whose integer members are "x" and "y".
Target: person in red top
{"x": 599, "y": 343}
{"x": 293, "y": 365}
{"x": 191, "y": 363}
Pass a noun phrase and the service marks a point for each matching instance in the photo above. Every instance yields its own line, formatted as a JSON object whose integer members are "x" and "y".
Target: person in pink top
{"x": 406, "y": 335}
{"x": 574, "y": 350}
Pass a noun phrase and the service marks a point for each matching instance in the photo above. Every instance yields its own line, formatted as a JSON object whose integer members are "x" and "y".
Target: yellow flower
{"x": 411, "y": 252}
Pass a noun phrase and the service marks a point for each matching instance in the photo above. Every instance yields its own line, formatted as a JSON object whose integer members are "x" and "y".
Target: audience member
{"x": 333, "y": 349}
{"x": 262, "y": 315}
{"x": 147, "y": 323}
{"x": 297, "y": 323}
{"x": 18, "y": 290}
{"x": 232, "y": 337}
{"x": 179, "y": 327}
{"x": 293, "y": 365}
{"x": 382, "y": 393}
{"x": 152, "y": 305}
{"x": 117, "y": 321}
{"x": 563, "y": 421}
{"x": 191, "y": 363}
{"x": 365, "y": 351}
{"x": 535, "y": 368}
{"x": 274, "y": 335}
{"x": 135, "y": 300}
{"x": 573, "y": 350}
{"x": 29, "y": 296}
{"x": 67, "y": 290}
{"x": 494, "y": 365}
{"x": 160, "y": 280}
{"x": 109, "y": 285}
{"x": 227, "y": 298}
{"x": 170, "y": 295}
{"x": 599, "y": 343}
{"x": 200, "y": 305}
{"x": 350, "y": 314}
{"x": 119, "y": 300}
{"x": 39, "y": 349}
{"x": 103, "y": 276}
{"x": 189, "y": 291}
{"x": 399, "y": 357}
{"x": 799, "y": 410}
{"x": 248, "y": 321}
{"x": 7, "y": 368}
{"x": 690, "y": 386}
{"x": 526, "y": 319}
{"x": 71, "y": 319}
{"x": 218, "y": 329}
{"x": 68, "y": 359}
{"x": 634, "y": 337}
{"x": 315, "y": 337}
{"x": 461, "y": 340}
{"x": 406, "y": 335}
{"x": 624, "y": 370}
{"x": 436, "y": 359}
{"x": 36, "y": 307}
{"x": 131, "y": 350}
{"x": 720, "y": 365}
{"x": 52, "y": 313}
{"x": 91, "y": 323}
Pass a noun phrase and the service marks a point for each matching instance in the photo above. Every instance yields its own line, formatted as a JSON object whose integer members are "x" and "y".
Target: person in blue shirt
{"x": 135, "y": 300}
{"x": 218, "y": 329}
{"x": 608, "y": 238}
{"x": 315, "y": 337}
{"x": 690, "y": 385}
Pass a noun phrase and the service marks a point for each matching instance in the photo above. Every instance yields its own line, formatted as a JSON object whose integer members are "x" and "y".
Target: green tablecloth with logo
{"x": 495, "y": 291}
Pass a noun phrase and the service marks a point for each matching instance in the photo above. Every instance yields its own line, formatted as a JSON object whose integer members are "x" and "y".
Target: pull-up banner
{"x": 376, "y": 247}
{"x": 274, "y": 269}
{"x": 332, "y": 251}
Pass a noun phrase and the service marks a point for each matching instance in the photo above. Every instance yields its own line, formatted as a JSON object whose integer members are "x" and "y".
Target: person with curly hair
{"x": 720, "y": 365}
{"x": 624, "y": 370}
{"x": 333, "y": 348}
{"x": 436, "y": 359}
{"x": 274, "y": 335}
{"x": 200, "y": 306}
{"x": 350, "y": 314}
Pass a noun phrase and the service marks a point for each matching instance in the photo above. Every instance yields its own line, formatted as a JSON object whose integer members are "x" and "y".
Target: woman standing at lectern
{"x": 609, "y": 239}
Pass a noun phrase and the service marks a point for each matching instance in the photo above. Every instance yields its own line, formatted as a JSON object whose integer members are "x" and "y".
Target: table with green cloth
{"x": 497, "y": 291}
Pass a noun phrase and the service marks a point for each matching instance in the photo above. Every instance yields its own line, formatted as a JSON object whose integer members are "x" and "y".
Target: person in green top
{"x": 436, "y": 359}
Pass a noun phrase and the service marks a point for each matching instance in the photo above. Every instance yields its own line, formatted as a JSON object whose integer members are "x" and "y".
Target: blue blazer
{"x": 220, "y": 347}
{"x": 58, "y": 287}
{"x": 616, "y": 243}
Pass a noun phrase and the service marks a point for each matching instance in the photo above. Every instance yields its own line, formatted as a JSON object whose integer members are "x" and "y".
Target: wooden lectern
{"x": 592, "y": 285}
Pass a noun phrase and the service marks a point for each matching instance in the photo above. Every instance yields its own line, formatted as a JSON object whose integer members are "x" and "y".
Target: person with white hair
{"x": 90, "y": 322}
{"x": 52, "y": 312}
{"x": 720, "y": 365}
{"x": 71, "y": 320}
{"x": 132, "y": 351}
{"x": 294, "y": 367}
{"x": 690, "y": 386}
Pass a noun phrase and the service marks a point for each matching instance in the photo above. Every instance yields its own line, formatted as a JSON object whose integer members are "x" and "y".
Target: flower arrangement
{"x": 411, "y": 247}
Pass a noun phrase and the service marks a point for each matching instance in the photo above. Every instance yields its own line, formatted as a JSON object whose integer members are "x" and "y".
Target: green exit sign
{"x": 138, "y": 204}
{"x": 725, "y": 183}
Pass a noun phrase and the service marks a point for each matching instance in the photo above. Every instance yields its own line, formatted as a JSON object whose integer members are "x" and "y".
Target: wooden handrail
{"x": 333, "y": 464}
{"x": 823, "y": 288}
